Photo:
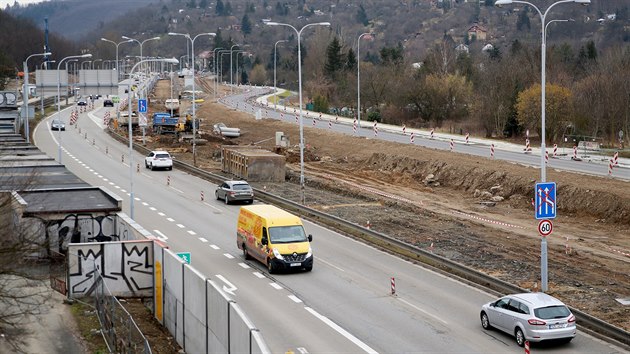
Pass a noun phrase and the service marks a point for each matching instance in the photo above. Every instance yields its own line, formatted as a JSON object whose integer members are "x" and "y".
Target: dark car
{"x": 82, "y": 103}
{"x": 231, "y": 191}
{"x": 57, "y": 125}
{"x": 108, "y": 103}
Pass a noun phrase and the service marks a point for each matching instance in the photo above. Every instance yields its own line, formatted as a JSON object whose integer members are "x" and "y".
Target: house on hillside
{"x": 477, "y": 32}
{"x": 462, "y": 48}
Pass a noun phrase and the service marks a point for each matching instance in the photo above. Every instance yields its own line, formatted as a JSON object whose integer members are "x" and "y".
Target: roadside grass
{"x": 280, "y": 96}
{"x": 87, "y": 322}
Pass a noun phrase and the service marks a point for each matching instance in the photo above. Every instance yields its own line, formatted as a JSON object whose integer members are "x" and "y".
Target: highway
{"x": 595, "y": 165}
{"x": 343, "y": 306}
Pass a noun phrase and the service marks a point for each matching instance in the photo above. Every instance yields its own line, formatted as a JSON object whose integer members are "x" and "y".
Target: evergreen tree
{"x": 220, "y": 8}
{"x": 362, "y": 17}
{"x": 228, "y": 9}
{"x": 351, "y": 60}
{"x": 334, "y": 58}
{"x": 523, "y": 21}
{"x": 203, "y": 4}
{"x": 191, "y": 4}
{"x": 246, "y": 25}
{"x": 591, "y": 51}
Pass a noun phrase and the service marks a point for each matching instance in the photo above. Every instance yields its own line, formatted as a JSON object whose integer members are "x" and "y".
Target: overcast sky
{"x": 4, "y": 3}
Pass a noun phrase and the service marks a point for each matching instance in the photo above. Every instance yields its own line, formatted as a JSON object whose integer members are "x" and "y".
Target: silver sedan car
{"x": 533, "y": 317}
{"x": 231, "y": 191}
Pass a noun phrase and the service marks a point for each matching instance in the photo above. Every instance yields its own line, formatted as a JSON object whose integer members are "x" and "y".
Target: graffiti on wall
{"x": 127, "y": 267}
{"x": 82, "y": 228}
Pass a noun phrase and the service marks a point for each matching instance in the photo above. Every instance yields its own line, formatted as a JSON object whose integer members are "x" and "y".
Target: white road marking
{"x": 179, "y": 191}
{"x": 95, "y": 173}
{"x": 124, "y": 191}
{"x": 341, "y": 331}
{"x": 152, "y": 208}
{"x": 276, "y": 286}
{"x": 136, "y": 198}
{"x": 146, "y": 175}
{"x": 259, "y": 275}
{"x": 124, "y": 164}
{"x": 112, "y": 183}
{"x": 91, "y": 170}
{"x": 230, "y": 288}
{"x": 117, "y": 187}
{"x": 329, "y": 264}
{"x": 105, "y": 179}
{"x": 203, "y": 239}
{"x": 215, "y": 247}
{"x": 181, "y": 226}
{"x": 243, "y": 265}
{"x": 227, "y": 255}
{"x": 295, "y": 299}
{"x": 423, "y": 311}
{"x": 145, "y": 203}
{"x": 192, "y": 232}
{"x": 161, "y": 236}
{"x": 302, "y": 350}
{"x": 170, "y": 219}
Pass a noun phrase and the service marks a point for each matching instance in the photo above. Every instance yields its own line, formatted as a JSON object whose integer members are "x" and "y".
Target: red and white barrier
{"x": 526, "y": 347}
{"x": 555, "y": 150}
{"x": 616, "y": 158}
{"x": 354, "y": 126}
{"x": 467, "y": 136}
{"x": 567, "y": 248}
{"x": 611, "y": 164}
{"x": 491, "y": 150}
{"x": 404, "y": 129}
{"x": 452, "y": 145}
{"x": 412, "y": 137}
{"x": 546, "y": 156}
{"x": 336, "y": 119}
{"x": 375, "y": 129}
{"x": 330, "y": 124}
{"x": 527, "y": 147}
{"x": 393, "y": 286}
{"x": 297, "y": 119}
{"x": 432, "y": 130}
{"x": 314, "y": 122}
{"x": 168, "y": 180}
{"x": 122, "y": 158}
{"x": 575, "y": 156}
{"x": 202, "y": 196}
{"x": 368, "y": 225}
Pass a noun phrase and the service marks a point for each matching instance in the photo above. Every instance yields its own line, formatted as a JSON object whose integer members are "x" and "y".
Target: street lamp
{"x": 117, "y": 44}
{"x": 164, "y": 60}
{"x": 359, "y": 82}
{"x": 59, "y": 93}
{"x": 543, "y": 149}
{"x": 192, "y": 49}
{"x": 231, "y": 69}
{"x": 25, "y": 92}
{"x": 94, "y": 62}
{"x": 237, "y": 53}
{"x": 275, "y": 89}
{"x": 223, "y": 52}
{"x": 300, "y": 91}
{"x": 140, "y": 43}
{"x": 216, "y": 71}
{"x": 89, "y": 62}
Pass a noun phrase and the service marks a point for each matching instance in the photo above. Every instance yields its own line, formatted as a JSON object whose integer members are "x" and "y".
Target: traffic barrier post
{"x": 168, "y": 180}
{"x": 432, "y": 130}
{"x": 393, "y": 285}
{"x": 492, "y": 151}
{"x": 412, "y": 137}
{"x": 467, "y": 136}
{"x": 202, "y": 196}
{"x": 452, "y": 145}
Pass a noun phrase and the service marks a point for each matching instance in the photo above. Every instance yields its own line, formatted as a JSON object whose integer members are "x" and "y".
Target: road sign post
{"x": 545, "y": 197}
{"x": 142, "y": 105}
{"x": 185, "y": 256}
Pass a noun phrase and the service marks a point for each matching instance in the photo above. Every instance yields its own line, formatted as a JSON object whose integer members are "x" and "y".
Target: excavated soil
{"x": 472, "y": 210}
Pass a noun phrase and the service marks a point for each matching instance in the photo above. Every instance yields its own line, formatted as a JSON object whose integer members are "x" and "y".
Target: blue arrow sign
{"x": 545, "y": 200}
{"x": 142, "y": 105}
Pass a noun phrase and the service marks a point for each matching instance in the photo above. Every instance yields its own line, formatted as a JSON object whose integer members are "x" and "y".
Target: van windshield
{"x": 287, "y": 234}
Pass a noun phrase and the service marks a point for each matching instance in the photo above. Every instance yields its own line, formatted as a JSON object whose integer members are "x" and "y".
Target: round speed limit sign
{"x": 545, "y": 227}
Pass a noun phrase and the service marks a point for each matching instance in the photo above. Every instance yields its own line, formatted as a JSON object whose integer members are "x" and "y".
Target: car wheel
{"x": 146, "y": 165}
{"x": 245, "y": 253}
{"x": 308, "y": 269}
{"x": 251, "y": 201}
{"x": 270, "y": 267}
{"x": 151, "y": 166}
{"x": 520, "y": 337}
{"x": 170, "y": 168}
{"x": 485, "y": 322}
{"x": 216, "y": 194}
{"x": 227, "y": 201}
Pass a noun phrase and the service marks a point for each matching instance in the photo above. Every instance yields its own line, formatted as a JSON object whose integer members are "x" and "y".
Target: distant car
{"x": 82, "y": 103}
{"x": 108, "y": 103}
{"x": 533, "y": 317}
{"x": 231, "y": 191}
{"x": 158, "y": 159}
{"x": 56, "y": 124}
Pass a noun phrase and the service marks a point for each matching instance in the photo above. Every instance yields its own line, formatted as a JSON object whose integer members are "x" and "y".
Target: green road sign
{"x": 185, "y": 256}
{"x": 115, "y": 99}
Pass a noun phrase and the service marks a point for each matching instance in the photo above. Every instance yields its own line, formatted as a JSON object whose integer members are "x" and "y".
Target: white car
{"x": 158, "y": 159}
{"x": 533, "y": 317}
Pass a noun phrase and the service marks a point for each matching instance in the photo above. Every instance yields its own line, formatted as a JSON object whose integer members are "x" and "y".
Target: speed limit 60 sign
{"x": 545, "y": 227}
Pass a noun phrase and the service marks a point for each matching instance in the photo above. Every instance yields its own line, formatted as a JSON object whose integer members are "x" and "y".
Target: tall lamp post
{"x": 299, "y": 33}
{"x": 129, "y": 132}
{"x": 117, "y": 44}
{"x": 94, "y": 62}
{"x": 216, "y": 71}
{"x": 231, "y": 69}
{"x": 543, "y": 54}
{"x": 192, "y": 49}
{"x": 25, "y": 93}
{"x": 222, "y": 53}
{"x": 237, "y": 53}
{"x": 68, "y": 82}
{"x": 59, "y": 93}
{"x": 140, "y": 43}
{"x": 275, "y": 89}
{"x": 41, "y": 96}
{"x": 359, "y": 81}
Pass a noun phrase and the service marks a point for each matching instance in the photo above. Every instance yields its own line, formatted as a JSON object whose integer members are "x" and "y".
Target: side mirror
{"x": 264, "y": 241}
{"x": 310, "y": 238}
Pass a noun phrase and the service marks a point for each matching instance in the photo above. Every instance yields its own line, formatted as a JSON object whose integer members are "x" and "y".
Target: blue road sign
{"x": 545, "y": 200}
{"x": 142, "y": 106}
{"x": 185, "y": 256}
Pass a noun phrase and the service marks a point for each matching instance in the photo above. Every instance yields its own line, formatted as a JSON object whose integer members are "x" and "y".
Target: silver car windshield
{"x": 551, "y": 312}
{"x": 287, "y": 234}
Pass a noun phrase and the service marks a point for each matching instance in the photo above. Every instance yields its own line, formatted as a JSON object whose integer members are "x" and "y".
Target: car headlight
{"x": 309, "y": 254}
{"x": 277, "y": 254}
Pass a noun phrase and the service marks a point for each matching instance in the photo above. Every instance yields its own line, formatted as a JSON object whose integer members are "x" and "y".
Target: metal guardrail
{"x": 587, "y": 323}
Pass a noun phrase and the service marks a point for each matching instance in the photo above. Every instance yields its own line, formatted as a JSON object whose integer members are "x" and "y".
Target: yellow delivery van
{"x": 274, "y": 237}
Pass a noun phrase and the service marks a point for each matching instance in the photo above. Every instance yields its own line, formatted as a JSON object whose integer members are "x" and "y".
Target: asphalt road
{"x": 343, "y": 306}
{"x": 591, "y": 164}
